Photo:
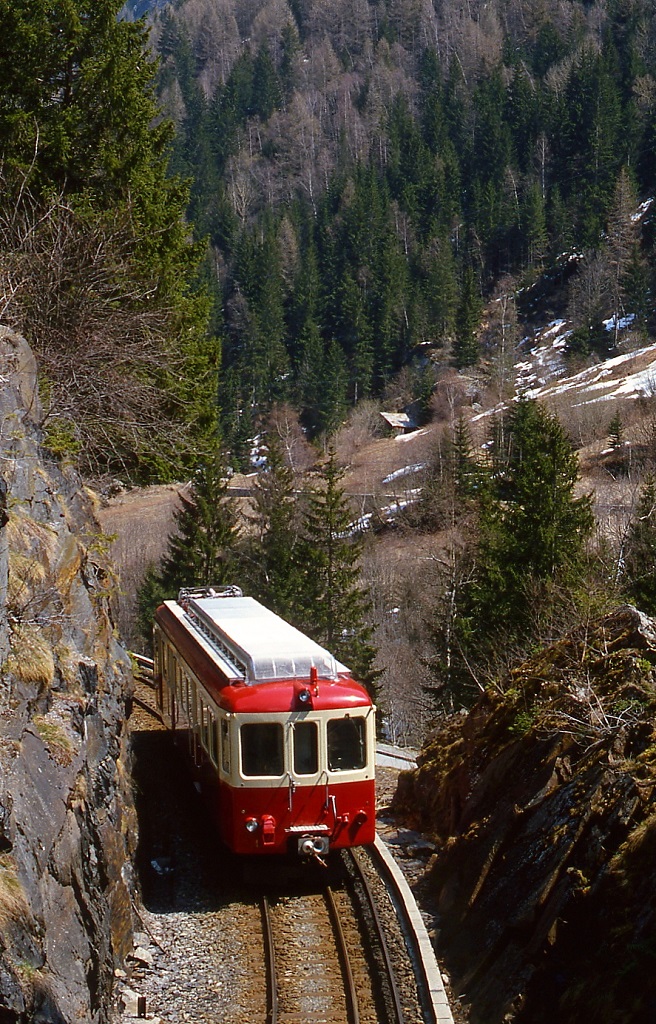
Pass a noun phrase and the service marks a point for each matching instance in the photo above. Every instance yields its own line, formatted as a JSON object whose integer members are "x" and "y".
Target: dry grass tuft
{"x": 31, "y": 659}
{"x": 54, "y": 738}
{"x": 642, "y": 838}
{"x": 26, "y": 575}
{"x": 13, "y": 903}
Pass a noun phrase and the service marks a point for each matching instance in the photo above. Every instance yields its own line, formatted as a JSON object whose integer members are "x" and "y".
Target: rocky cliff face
{"x": 67, "y": 824}
{"x": 542, "y": 799}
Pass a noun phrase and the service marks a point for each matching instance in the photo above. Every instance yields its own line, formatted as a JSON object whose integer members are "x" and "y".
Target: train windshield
{"x": 262, "y": 749}
{"x": 346, "y": 744}
{"x": 306, "y": 748}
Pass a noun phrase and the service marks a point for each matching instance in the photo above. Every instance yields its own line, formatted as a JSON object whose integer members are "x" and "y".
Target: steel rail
{"x": 342, "y": 949}
{"x": 390, "y": 973}
{"x": 145, "y": 706}
{"x": 270, "y": 963}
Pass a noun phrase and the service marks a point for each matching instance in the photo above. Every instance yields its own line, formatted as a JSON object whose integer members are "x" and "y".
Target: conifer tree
{"x": 356, "y": 335}
{"x": 201, "y": 550}
{"x": 535, "y": 225}
{"x": 311, "y": 386}
{"x": 267, "y": 92}
{"x": 621, "y": 249}
{"x": 466, "y": 472}
{"x": 265, "y": 358}
{"x": 439, "y": 286}
{"x": 466, "y": 348}
{"x": 591, "y": 143}
{"x": 335, "y": 604}
{"x": 616, "y": 432}
{"x": 453, "y": 482}
{"x": 333, "y": 399}
{"x": 544, "y": 524}
{"x": 76, "y": 108}
{"x": 533, "y": 530}
{"x": 272, "y": 560}
{"x": 84, "y": 155}
{"x": 639, "y": 562}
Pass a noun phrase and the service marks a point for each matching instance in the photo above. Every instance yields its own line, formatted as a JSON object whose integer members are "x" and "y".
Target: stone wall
{"x": 67, "y": 823}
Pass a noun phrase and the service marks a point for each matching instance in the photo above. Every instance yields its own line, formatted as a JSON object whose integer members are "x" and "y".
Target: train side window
{"x": 346, "y": 744}
{"x": 205, "y": 726}
{"x": 193, "y": 710}
{"x": 167, "y": 699}
{"x": 157, "y": 654}
{"x": 262, "y": 749}
{"x": 306, "y": 749}
{"x": 225, "y": 746}
{"x": 211, "y": 736}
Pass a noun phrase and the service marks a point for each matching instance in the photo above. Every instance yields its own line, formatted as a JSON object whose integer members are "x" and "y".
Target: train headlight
{"x": 304, "y": 696}
{"x": 251, "y": 824}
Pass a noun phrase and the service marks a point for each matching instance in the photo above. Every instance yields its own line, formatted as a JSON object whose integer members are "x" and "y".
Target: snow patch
{"x": 404, "y": 471}
{"x": 618, "y": 323}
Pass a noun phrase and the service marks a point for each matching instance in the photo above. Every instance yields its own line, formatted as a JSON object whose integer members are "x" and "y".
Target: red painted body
{"x": 355, "y": 824}
{"x": 285, "y": 810}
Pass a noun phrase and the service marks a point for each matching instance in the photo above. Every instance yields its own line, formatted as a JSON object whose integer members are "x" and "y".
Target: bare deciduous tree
{"x": 104, "y": 341}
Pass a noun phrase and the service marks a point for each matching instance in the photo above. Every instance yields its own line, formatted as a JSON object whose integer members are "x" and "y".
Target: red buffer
{"x": 282, "y": 735}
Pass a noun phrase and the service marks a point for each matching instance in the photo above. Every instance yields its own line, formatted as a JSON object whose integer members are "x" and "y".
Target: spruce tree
{"x": 201, "y": 550}
{"x": 533, "y": 530}
{"x": 543, "y": 522}
{"x": 76, "y": 100}
{"x": 535, "y": 225}
{"x": 264, "y": 360}
{"x": 639, "y": 561}
{"x": 616, "y": 432}
{"x": 311, "y": 385}
{"x": 468, "y": 315}
{"x": 335, "y": 603}
{"x": 464, "y": 469}
{"x": 333, "y": 398}
{"x": 267, "y": 90}
{"x": 271, "y": 559}
{"x": 84, "y": 156}
{"x": 620, "y": 248}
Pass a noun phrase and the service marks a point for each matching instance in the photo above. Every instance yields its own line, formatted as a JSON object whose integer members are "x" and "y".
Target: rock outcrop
{"x": 542, "y": 802}
{"x": 67, "y": 823}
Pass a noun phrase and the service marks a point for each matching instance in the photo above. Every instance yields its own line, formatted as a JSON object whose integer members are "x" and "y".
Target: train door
{"x": 194, "y": 751}
{"x": 158, "y": 668}
{"x": 225, "y": 764}
{"x": 167, "y": 687}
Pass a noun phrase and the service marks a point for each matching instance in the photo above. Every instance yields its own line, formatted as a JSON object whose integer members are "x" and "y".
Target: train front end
{"x": 303, "y": 779}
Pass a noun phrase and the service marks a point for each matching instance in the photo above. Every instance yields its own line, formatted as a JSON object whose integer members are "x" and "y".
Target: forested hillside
{"x": 370, "y": 174}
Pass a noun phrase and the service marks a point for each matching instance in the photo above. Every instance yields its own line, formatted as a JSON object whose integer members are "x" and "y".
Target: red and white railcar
{"x": 280, "y": 730}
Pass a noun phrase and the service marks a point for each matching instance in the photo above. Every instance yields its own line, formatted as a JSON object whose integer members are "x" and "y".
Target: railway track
{"x": 342, "y": 950}
{"x": 319, "y": 960}
{"x": 310, "y": 975}
{"x": 347, "y": 953}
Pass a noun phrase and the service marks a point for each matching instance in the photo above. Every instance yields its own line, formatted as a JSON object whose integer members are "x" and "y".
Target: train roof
{"x": 250, "y": 642}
